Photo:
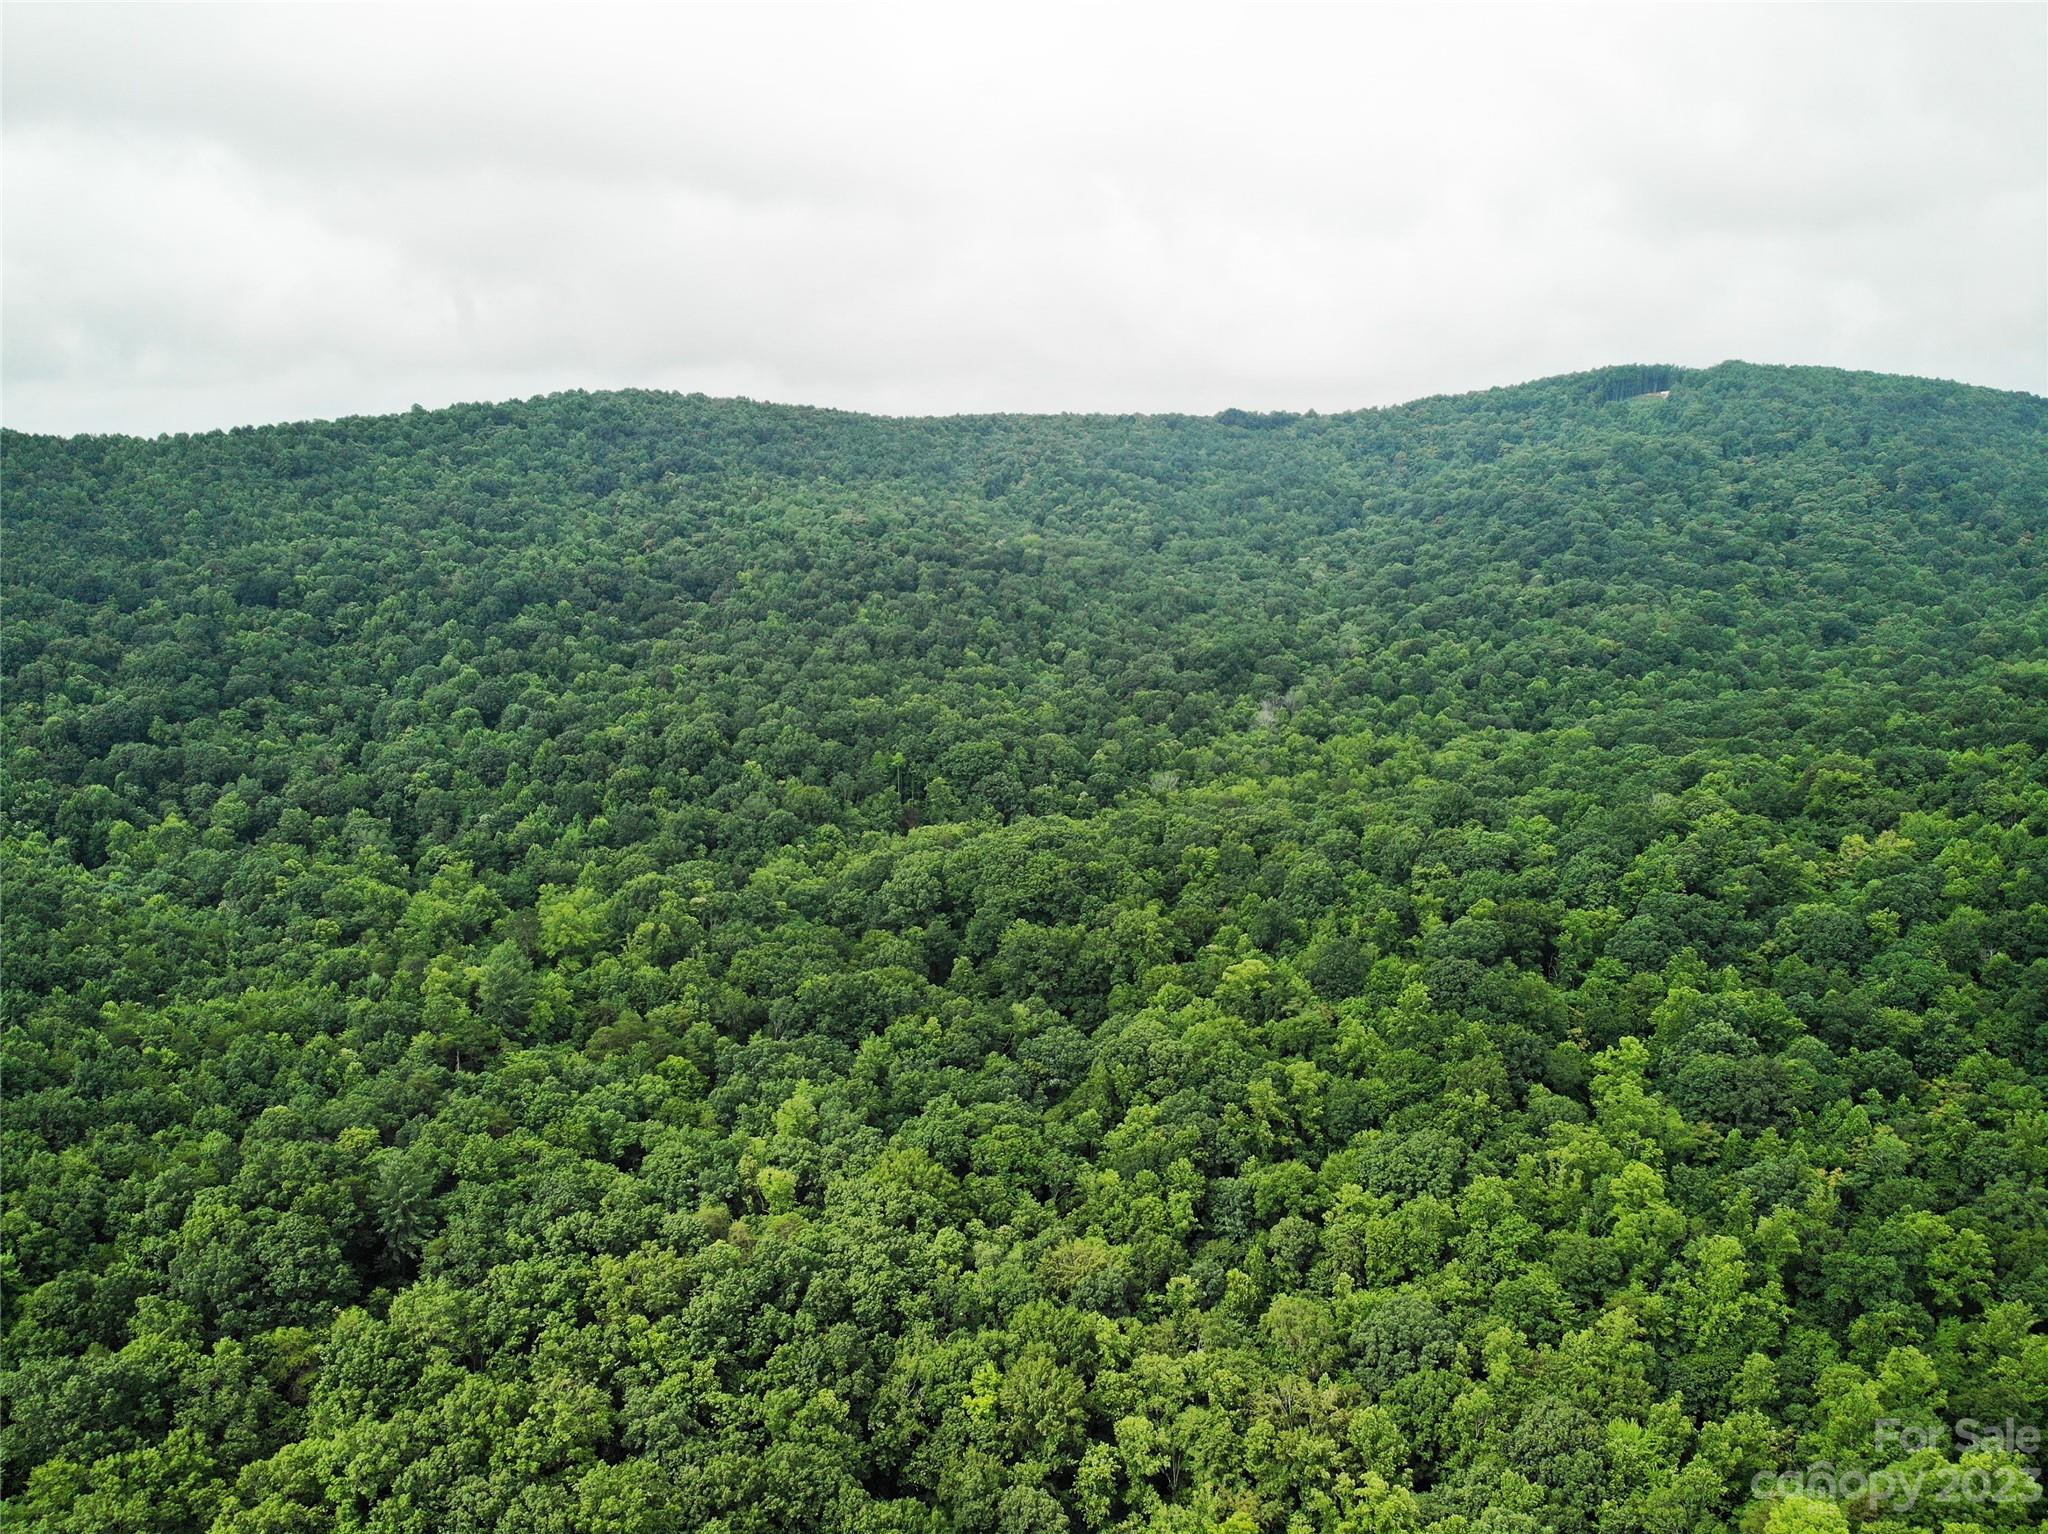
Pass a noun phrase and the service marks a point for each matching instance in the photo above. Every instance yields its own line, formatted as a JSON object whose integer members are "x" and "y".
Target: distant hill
{"x": 628, "y": 961}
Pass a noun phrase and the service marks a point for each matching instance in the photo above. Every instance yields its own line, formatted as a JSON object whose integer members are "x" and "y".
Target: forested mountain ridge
{"x": 624, "y": 962}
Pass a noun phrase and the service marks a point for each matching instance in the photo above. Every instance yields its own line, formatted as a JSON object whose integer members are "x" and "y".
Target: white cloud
{"x": 216, "y": 215}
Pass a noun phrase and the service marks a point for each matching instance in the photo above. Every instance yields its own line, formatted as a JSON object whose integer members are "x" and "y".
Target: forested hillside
{"x": 626, "y": 963}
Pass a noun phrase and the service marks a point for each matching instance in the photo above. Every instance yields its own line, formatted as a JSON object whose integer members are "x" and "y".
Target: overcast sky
{"x": 215, "y": 216}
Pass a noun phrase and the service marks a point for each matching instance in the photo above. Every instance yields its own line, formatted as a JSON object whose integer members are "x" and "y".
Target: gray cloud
{"x": 218, "y": 215}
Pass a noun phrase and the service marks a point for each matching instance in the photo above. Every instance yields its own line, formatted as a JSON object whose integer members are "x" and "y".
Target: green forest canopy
{"x": 623, "y": 962}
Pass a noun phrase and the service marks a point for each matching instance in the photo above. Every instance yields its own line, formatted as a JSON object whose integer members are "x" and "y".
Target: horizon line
{"x": 906, "y": 417}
